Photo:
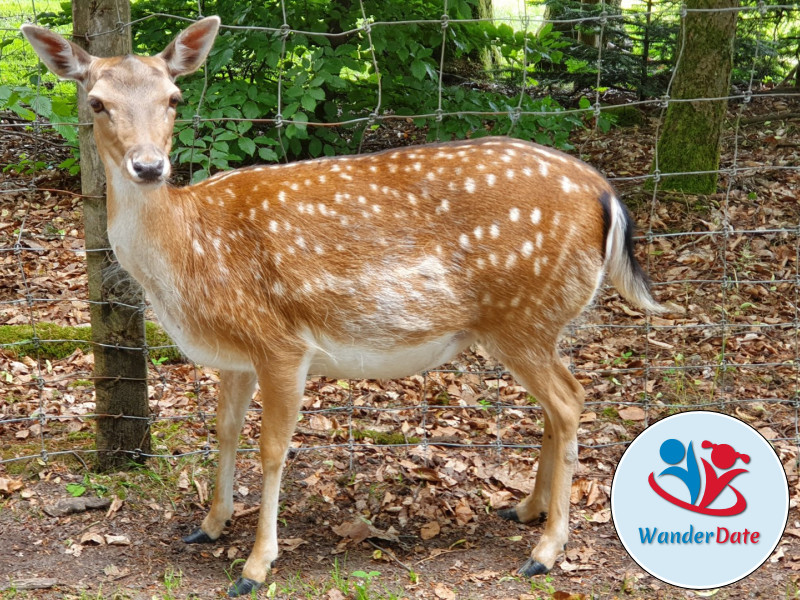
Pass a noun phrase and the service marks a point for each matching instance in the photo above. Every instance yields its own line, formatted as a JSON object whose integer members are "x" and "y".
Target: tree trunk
{"x": 120, "y": 363}
{"x": 690, "y": 139}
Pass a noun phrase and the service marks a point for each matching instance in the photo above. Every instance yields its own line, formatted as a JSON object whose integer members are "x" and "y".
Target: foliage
{"x": 280, "y": 82}
{"x": 269, "y": 93}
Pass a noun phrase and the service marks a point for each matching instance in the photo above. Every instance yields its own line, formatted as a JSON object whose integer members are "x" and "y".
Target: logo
{"x": 723, "y": 456}
{"x": 699, "y": 500}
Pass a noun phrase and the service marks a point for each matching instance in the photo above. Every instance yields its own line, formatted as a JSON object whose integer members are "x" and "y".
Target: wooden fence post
{"x": 117, "y": 301}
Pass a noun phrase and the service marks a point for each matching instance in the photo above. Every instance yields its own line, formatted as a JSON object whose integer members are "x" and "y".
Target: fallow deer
{"x": 367, "y": 266}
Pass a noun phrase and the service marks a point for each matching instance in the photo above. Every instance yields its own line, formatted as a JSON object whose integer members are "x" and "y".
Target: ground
{"x": 427, "y": 459}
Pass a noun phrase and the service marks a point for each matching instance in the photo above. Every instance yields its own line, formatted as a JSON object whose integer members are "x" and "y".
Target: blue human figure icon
{"x": 672, "y": 453}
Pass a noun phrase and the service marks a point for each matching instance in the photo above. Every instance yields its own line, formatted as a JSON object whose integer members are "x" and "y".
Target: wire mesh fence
{"x": 727, "y": 264}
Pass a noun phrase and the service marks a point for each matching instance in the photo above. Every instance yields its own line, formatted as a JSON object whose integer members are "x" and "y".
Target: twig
{"x": 391, "y": 555}
{"x": 246, "y": 511}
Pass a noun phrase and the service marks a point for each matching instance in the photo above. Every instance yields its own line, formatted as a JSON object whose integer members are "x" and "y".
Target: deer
{"x": 366, "y": 266}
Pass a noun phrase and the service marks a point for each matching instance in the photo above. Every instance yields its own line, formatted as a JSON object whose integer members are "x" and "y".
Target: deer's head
{"x": 133, "y": 98}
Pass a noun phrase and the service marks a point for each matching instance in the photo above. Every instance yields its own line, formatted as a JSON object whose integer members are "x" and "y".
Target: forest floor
{"x": 432, "y": 532}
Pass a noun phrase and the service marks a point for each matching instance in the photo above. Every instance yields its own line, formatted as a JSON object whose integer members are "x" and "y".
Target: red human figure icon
{"x": 724, "y": 457}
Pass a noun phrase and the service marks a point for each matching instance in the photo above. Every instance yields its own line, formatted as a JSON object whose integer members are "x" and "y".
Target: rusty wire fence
{"x": 730, "y": 272}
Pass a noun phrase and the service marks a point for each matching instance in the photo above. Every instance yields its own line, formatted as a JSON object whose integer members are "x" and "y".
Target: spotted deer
{"x": 368, "y": 266}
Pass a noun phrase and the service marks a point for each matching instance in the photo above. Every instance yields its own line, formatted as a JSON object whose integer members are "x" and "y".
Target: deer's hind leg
{"x": 545, "y": 376}
{"x": 235, "y": 392}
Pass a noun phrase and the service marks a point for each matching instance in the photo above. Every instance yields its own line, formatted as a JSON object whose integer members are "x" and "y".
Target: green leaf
{"x": 251, "y": 110}
{"x": 308, "y": 103}
{"x": 76, "y": 489}
{"x": 247, "y": 146}
{"x": 418, "y": 69}
{"x": 42, "y": 106}
{"x": 315, "y": 147}
{"x": 267, "y": 154}
{"x": 186, "y": 135}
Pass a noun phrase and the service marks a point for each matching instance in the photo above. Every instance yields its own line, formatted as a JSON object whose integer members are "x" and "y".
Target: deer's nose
{"x": 149, "y": 171}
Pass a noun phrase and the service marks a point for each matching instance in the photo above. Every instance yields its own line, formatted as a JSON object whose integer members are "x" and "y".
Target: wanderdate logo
{"x": 723, "y": 457}
{"x": 699, "y": 500}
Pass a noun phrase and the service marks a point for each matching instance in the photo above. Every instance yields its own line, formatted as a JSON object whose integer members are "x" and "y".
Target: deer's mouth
{"x": 147, "y": 165}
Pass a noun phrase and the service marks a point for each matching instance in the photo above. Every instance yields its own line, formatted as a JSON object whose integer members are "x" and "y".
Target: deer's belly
{"x": 334, "y": 358}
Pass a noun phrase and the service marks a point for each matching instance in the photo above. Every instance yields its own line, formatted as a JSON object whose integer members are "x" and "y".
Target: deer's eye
{"x": 174, "y": 100}
{"x": 96, "y": 105}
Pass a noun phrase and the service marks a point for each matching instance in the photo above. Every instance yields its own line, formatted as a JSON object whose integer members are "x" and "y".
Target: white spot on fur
{"x": 494, "y": 231}
{"x": 511, "y": 260}
{"x": 544, "y": 168}
{"x": 463, "y": 241}
{"x": 469, "y": 185}
{"x": 513, "y": 214}
{"x": 490, "y": 179}
{"x": 536, "y": 216}
{"x": 198, "y": 248}
{"x": 478, "y": 232}
{"x": 527, "y": 249}
{"x": 568, "y": 185}
{"x": 282, "y": 196}
{"x": 510, "y": 174}
{"x": 539, "y": 239}
{"x": 443, "y": 207}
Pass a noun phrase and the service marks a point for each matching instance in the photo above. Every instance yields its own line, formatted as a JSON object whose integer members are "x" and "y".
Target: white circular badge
{"x": 700, "y": 500}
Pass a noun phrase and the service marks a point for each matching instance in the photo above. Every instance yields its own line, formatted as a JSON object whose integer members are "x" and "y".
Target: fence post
{"x": 117, "y": 301}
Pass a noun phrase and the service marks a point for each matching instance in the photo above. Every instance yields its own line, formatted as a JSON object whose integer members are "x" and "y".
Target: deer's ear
{"x": 63, "y": 58}
{"x": 187, "y": 52}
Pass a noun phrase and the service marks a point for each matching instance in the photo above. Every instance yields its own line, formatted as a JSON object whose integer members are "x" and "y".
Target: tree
{"x": 120, "y": 366}
{"x": 690, "y": 138}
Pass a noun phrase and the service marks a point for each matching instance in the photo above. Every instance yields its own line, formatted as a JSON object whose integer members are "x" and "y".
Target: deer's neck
{"x": 145, "y": 227}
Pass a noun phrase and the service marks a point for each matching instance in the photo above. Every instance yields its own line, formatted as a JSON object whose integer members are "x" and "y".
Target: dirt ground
{"x": 434, "y": 532}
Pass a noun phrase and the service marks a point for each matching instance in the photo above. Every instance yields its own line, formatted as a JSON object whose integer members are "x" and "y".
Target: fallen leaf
{"x": 631, "y": 413}
{"x": 118, "y": 540}
{"x": 116, "y": 504}
{"x": 183, "y": 480}
{"x": 463, "y": 512}
{"x": 92, "y": 538}
{"x": 9, "y": 486}
{"x": 429, "y": 530}
{"x": 359, "y": 530}
{"x": 291, "y": 544}
{"x": 444, "y": 592}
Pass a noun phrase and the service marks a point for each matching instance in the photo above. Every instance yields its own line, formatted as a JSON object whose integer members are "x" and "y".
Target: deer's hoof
{"x": 532, "y": 567}
{"x": 243, "y": 587}
{"x": 509, "y": 514}
{"x": 198, "y": 536}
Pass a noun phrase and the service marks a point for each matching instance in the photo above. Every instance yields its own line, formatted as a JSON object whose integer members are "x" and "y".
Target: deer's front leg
{"x": 235, "y": 392}
{"x": 281, "y": 395}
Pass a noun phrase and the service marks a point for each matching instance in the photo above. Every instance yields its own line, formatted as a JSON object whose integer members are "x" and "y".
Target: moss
{"x": 384, "y": 438}
{"x": 57, "y": 342}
